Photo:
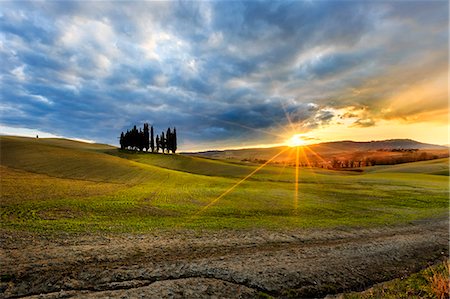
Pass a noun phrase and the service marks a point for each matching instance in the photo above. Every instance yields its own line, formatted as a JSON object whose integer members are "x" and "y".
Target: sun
{"x": 296, "y": 140}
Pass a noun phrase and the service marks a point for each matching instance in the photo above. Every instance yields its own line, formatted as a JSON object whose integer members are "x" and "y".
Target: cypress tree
{"x": 127, "y": 139}
{"x": 174, "y": 140}
{"x": 152, "y": 141}
{"x": 162, "y": 140}
{"x": 140, "y": 140}
{"x": 168, "y": 140}
{"x": 122, "y": 141}
{"x": 134, "y": 138}
{"x": 157, "y": 143}
{"x": 146, "y": 137}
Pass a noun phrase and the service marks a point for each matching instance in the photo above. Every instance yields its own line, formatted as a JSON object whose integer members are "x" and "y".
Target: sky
{"x": 226, "y": 74}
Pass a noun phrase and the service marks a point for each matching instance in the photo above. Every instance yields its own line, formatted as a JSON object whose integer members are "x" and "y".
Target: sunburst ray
{"x": 297, "y": 160}
{"x": 317, "y": 155}
{"x": 237, "y": 184}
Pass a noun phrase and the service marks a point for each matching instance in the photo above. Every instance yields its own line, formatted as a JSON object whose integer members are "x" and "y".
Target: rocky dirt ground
{"x": 217, "y": 264}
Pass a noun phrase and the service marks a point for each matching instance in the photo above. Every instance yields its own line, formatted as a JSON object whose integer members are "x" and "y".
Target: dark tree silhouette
{"x": 122, "y": 141}
{"x": 168, "y": 140}
{"x": 162, "y": 140}
{"x": 152, "y": 141}
{"x": 134, "y": 138}
{"x": 138, "y": 139}
{"x": 157, "y": 143}
{"x": 146, "y": 137}
{"x": 174, "y": 140}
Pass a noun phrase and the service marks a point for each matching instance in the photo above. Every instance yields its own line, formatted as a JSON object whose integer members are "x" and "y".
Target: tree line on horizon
{"x": 140, "y": 139}
{"x": 358, "y": 162}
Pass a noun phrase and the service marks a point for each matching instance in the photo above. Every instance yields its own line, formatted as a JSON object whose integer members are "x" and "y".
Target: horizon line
{"x": 262, "y": 146}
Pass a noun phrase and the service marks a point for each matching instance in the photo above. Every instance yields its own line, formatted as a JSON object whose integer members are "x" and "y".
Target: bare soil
{"x": 218, "y": 264}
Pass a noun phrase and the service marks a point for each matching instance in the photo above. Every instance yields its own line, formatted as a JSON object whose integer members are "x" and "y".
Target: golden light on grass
{"x": 297, "y": 162}
{"x": 317, "y": 155}
{"x": 238, "y": 183}
{"x": 297, "y": 141}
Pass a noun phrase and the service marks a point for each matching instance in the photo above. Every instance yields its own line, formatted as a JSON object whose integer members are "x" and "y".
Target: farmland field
{"x": 118, "y": 210}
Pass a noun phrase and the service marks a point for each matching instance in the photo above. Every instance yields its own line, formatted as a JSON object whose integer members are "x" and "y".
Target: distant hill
{"x": 326, "y": 150}
{"x": 69, "y": 159}
{"x": 437, "y": 167}
{"x": 381, "y": 144}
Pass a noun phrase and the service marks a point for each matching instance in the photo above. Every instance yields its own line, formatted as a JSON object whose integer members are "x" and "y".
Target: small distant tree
{"x": 423, "y": 156}
{"x": 335, "y": 163}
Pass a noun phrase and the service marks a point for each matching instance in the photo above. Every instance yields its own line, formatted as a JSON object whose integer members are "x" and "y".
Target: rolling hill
{"x": 436, "y": 167}
{"x": 63, "y": 185}
{"x": 375, "y": 145}
{"x": 329, "y": 150}
{"x": 67, "y": 159}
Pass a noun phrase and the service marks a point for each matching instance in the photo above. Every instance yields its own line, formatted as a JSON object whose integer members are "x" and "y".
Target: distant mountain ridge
{"x": 383, "y": 144}
{"x": 324, "y": 148}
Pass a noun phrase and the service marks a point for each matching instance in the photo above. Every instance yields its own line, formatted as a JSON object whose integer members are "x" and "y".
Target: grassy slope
{"x": 60, "y": 185}
{"x": 221, "y": 168}
{"x": 67, "y": 159}
{"x": 438, "y": 166}
{"x": 188, "y": 164}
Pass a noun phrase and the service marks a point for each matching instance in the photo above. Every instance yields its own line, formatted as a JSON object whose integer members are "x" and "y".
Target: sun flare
{"x": 296, "y": 140}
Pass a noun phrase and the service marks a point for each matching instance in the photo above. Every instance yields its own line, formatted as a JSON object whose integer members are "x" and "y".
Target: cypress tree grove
{"x": 138, "y": 139}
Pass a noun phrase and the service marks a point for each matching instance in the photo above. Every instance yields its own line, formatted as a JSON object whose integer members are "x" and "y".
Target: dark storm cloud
{"x": 229, "y": 71}
{"x": 364, "y": 123}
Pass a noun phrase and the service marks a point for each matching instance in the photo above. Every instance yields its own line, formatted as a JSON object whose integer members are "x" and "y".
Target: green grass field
{"x": 61, "y": 185}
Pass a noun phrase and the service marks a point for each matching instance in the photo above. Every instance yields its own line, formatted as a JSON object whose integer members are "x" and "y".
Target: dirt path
{"x": 302, "y": 263}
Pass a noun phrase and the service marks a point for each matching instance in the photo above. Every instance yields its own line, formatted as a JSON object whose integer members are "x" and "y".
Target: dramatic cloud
{"x": 235, "y": 73}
